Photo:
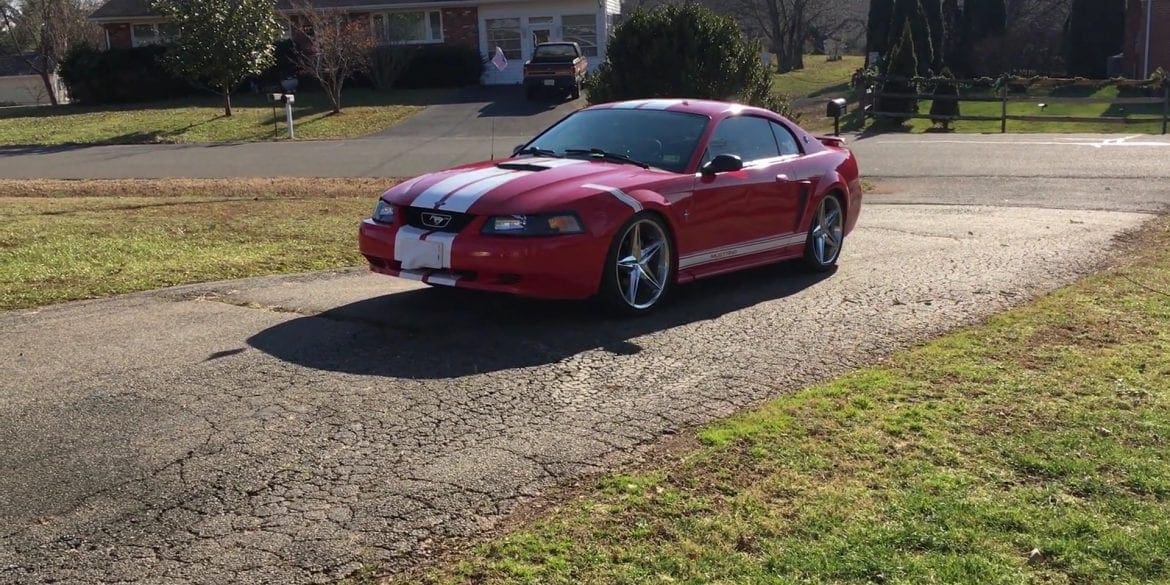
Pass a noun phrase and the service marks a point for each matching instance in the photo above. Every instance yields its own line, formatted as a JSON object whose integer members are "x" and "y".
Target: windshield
{"x": 555, "y": 53}
{"x": 658, "y": 138}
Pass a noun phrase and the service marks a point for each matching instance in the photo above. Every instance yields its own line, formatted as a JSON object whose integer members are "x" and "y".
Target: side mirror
{"x": 723, "y": 163}
{"x": 836, "y": 108}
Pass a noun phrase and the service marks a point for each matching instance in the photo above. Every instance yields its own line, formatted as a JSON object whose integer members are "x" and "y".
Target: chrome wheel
{"x": 643, "y": 264}
{"x": 828, "y": 231}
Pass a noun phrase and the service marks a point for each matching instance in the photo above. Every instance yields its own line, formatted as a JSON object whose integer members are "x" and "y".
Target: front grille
{"x": 431, "y": 220}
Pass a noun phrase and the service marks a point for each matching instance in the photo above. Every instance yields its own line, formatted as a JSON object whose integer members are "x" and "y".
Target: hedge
{"x": 120, "y": 75}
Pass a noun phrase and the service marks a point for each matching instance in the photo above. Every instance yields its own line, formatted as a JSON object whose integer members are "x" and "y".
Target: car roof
{"x": 694, "y": 106}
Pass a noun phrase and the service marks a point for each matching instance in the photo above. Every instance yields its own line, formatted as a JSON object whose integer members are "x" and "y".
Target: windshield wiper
{"x": 612, "y": 156}
{"x": 537, "y": 151}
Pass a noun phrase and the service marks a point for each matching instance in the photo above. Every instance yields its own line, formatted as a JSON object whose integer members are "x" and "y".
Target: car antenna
{"x": 493, "y": 138}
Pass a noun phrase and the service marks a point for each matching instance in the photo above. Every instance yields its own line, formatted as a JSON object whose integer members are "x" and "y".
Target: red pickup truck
{"x": 557, "y": 66}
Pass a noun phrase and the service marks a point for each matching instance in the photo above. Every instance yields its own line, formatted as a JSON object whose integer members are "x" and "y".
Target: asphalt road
{"x": 290, "y": 429}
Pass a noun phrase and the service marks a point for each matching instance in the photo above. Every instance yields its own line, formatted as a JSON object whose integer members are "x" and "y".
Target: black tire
{"x": 818, "y": 257}
{"x": 613, "y": 292}
{"x": 575, "y": 93}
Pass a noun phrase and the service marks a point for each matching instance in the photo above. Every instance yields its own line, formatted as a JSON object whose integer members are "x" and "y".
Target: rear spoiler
{"x": 832, "y": 141}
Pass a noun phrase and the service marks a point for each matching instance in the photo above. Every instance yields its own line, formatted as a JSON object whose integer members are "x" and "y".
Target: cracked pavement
{"x": 293, "y": 429}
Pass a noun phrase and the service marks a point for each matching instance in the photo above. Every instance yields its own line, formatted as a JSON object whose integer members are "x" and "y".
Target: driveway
{"x": 471, "y": 125}
{"x": 293, "y": 429}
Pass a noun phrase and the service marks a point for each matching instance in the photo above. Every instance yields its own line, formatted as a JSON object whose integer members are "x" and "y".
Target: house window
{"x": 505, "y": 34}
{"x": 142, "y": 35}
{"x": 581, "y": 29}
{"x": 393, "y": 28}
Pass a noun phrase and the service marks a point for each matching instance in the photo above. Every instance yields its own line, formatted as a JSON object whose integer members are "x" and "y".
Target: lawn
{"x": 819, "y": 78}
{"x": 200, "y": 119}
{"x": 1031, "y": 107}
{"x": 66, "y": 240}
{"x": 1034, "y": 448}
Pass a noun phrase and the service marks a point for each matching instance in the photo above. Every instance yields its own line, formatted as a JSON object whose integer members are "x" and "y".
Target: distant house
{"x": 515, "y": 26}
{"x": 21, "y": 82}
{"x": 1147, "y": 37}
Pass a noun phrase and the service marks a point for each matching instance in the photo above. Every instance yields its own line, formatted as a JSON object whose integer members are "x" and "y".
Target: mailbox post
{"x": 835, "y": 109}
{"x": 287, "y": 99}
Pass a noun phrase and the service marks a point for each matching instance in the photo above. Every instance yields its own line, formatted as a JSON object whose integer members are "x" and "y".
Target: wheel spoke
{"x": 636, "y": 242}
{"x": 649, "y": 277}
{"x": 819, "y": 244}
{"x": 649, "y": 251}
{"x": 632, "y": 289}
{"x": 629, "y": 262}
{"x": 831, "y": 219}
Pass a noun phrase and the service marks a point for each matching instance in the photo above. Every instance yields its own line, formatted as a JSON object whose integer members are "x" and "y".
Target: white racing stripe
{"x": 433, "y": 194}
{"x": 460, "y": 200}
{"x": 443, "y": 278}
{"x": 619, "y": 194}
{"x": 447, "y": 239}
{"x": 740, "y": 249}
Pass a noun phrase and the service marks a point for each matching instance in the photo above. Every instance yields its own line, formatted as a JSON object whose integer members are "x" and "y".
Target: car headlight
{"x": 548, "y": 224}
{"x": 383, "y": 212}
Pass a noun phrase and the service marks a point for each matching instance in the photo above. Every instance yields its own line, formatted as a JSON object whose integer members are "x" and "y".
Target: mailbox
{"x": 836, "y": 108}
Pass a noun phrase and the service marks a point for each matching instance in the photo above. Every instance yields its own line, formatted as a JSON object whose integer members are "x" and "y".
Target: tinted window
{"x": 666, "y": 140}
{"x": 555, "y": 53}
{"x": 785, "y": 139}
{"x": 747, "y": 137}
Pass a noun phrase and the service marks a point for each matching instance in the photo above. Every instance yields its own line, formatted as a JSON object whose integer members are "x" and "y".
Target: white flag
{"x": 499, "y": 60}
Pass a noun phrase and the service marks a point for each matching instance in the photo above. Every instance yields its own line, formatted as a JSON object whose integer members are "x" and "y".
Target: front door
{"x": 735, "y": 216}
{"x": 540, "y": 30}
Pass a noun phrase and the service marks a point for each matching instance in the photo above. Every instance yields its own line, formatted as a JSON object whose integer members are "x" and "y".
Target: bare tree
{"x": 335, "y": 46}
{"x": 42, "y": 32}
{"x": 787, "y": 25}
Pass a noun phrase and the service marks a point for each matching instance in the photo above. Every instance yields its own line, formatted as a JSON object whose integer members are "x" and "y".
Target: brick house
{"x": 1147, "y": 37}
{"x": 513, "y": 25}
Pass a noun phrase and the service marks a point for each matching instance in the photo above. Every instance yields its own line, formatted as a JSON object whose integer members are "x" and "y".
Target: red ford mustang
{"x": 624, "y": 201}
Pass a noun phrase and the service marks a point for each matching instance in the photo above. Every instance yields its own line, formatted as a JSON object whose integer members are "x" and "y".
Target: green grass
{"x": 1045, "y": 429}
{"x": 62, "y": 241}
{"x": 1032, "y": 108}
{"x": 820, "y": 77}
{"x": 200, "y": 119}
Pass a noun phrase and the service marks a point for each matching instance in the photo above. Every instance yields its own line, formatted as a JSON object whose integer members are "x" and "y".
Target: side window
{"x": 785, "y": 139}
{"x": 747, "y": 137}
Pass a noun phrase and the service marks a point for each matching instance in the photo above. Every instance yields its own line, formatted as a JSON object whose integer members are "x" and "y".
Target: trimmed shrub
{"x": 387, "y": 64}
{"x": 942, "y": 110}
{"x": 441, "y": 66}
{"x": 683, "y": 51}
{"x": 120, "y": 75}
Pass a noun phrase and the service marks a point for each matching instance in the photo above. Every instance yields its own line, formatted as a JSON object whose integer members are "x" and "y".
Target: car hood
{"x": 520, "y": 185}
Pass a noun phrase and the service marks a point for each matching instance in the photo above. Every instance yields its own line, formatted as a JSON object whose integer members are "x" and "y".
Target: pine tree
{"x": 1093, "y": 33}
{"x": 901, "y": 65}
{"x": 983, "y": 19}
{"x": 877, "y": 34}
{"x": 932, "y": 12}
{"x": 952, "y": 40}
{"x": 913, "y": 14}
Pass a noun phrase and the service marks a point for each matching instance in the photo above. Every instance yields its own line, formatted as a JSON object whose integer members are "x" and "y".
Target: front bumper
{"x": 555, "y": 267}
